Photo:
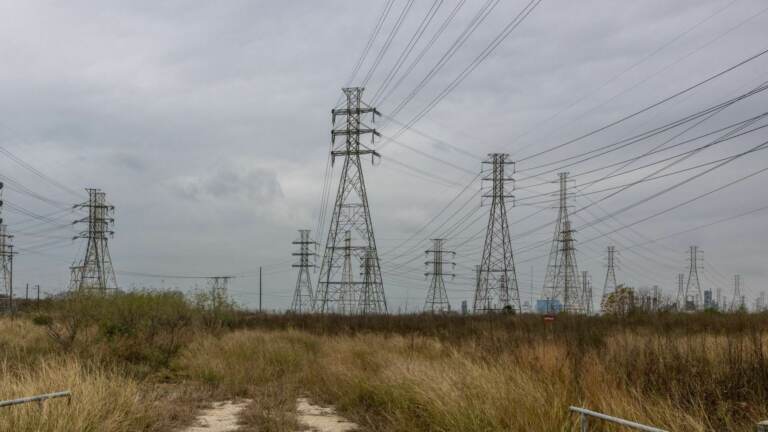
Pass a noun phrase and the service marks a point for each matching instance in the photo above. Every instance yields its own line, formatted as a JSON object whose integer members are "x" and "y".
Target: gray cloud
{"x": 207, "y": 124}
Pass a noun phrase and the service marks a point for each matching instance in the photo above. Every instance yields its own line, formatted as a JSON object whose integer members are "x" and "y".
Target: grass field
{"x": 148, "y": 361}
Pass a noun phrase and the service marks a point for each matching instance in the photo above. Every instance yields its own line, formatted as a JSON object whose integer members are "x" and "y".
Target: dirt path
{"x": 221, "y": 417}
{"x": 320, "y": 419}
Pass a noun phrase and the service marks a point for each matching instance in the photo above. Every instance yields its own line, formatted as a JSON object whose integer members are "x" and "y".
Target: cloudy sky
{"x": 207, "y": 124}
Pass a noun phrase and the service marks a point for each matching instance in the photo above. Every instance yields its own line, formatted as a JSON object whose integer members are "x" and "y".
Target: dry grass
{"x": 414, "y": 383}
{"x": 103, "y": 401}
{"x": 146, "y": 362}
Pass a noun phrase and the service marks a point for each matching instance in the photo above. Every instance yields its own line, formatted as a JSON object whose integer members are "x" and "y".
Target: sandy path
{"x": 319, "y": 419}
{"x": 221, "y": 417}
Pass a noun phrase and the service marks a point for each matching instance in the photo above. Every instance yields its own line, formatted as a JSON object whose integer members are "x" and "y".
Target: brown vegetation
{"x": 146, "y": 361}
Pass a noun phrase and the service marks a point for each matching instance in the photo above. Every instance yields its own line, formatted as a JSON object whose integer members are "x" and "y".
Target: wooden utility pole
{"x": 260, "y": 289}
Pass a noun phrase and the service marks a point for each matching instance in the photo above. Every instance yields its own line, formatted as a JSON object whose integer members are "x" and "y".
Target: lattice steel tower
{"x": 610, "y": 275}
{"x": 496, "y": 289}
{"x": 95, "y": 272}
{"x": 692, "y": 298}
{"x": 302, "y": 295}
{"x": 586, "y": 284}
{"x": 437, "y": 297}
{"x": 350, "y": 241}
{"x": 737, "y": 302}
{"x": 6, "y": 263}
{"x": 219, "y": 286}
{"x": 562, "y": 279}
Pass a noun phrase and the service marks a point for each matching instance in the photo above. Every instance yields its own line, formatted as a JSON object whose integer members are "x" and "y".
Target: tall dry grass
{"x": 416, "y": 383}
{"x": 103, "y": 401}
{"x": 148, "y": 353}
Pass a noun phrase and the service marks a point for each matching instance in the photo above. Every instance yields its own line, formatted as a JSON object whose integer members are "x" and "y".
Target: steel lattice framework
{"x": 692, "y": 299}
{"x": 302, "y": 296}
{"x": 496, "y": 288}
{"x": 609, "y": 285}
{"x": 562, "y": 280}
{"x": 95, "y": 272}
{"x": 351, "y": 244}
{"x": 437, "y": 297}
{"x": 6, "y": 264}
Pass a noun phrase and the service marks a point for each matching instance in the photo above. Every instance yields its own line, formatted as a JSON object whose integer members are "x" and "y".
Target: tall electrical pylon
{"x": 680, "y": 292}
{"x": 219, "y": 286}
{"x": 335, "y": 287}
{"x": 586, "y": 284}
{"x": 562, "y": 280}
{"x": 302, "y": 295}
{"x": 737, "y": 303}
{"x": 95, "y": 273}
{"x": 609, "y": 285}
{"x": 437, "y": 297}
{"x": 497, "y": 287}
{"x": 6, "y": 263}
{"x": 692, "y": 298}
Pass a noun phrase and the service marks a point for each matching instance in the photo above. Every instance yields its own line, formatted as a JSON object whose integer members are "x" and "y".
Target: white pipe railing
{"x": 585, "y": 414}
{"x": 38, "y": 398}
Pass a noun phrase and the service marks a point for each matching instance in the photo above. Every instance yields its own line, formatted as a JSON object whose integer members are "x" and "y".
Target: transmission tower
{"x": 496, "y": 289}
{"x": 351, "y": 231}
{"x": 680, "y": 303}
{"x": 95, "y": 273}
{"x": 6, "y": 263}
{"x": 692, "y": 297}
{"x": 302, "y": 296}
{"x": 737, "y": 303}
{"x": 609, "y": 285}
{"x": 437, "y": 297}
{"x": 586, "y": 284}
{"x": 562, "y": 282}
{"x": 219, "y": 286}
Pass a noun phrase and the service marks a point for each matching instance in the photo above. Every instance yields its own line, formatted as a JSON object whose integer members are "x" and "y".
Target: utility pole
{"x": 561, "y": 282}
{"x": 437, "y": 297}
{"x": 26, "y": 294}
{"x": 37, "y": 304}
{"x": 692, "y": 298}
{"x": 260, "y": 291}
{"x": 95, "y": 273}
{"x": 497, "y": 288}
{"x": 351, "y": 228}
{"x": 609, "y": 285}
{"x": 302, "y": 295}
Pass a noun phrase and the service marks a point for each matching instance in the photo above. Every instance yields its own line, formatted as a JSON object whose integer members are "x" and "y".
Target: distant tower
{"x": 609, "y": 285}
{"x": 496, "y": 289}
{"x": 6, "y": 263}
{"x": 562, "y": 281}
{"x": 95, "y": 273}
{"x": 351, "y": 230}
{"x": 219, "y": 286}
{"x": 587, "y": 289}
{"x": 693, "y": 297}
{"x": 680, "y": 292}
{"x": 302, "y": 295}
{"x": 437, "y": 297}
{"x": 737, "y": 302}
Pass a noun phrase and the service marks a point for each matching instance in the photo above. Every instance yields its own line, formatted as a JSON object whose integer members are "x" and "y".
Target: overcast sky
{"x": 207, "y": 124}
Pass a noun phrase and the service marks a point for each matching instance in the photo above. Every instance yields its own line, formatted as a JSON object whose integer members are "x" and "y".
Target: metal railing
{"x": 39, "y": 398}
{"x": 585, "y": 414}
